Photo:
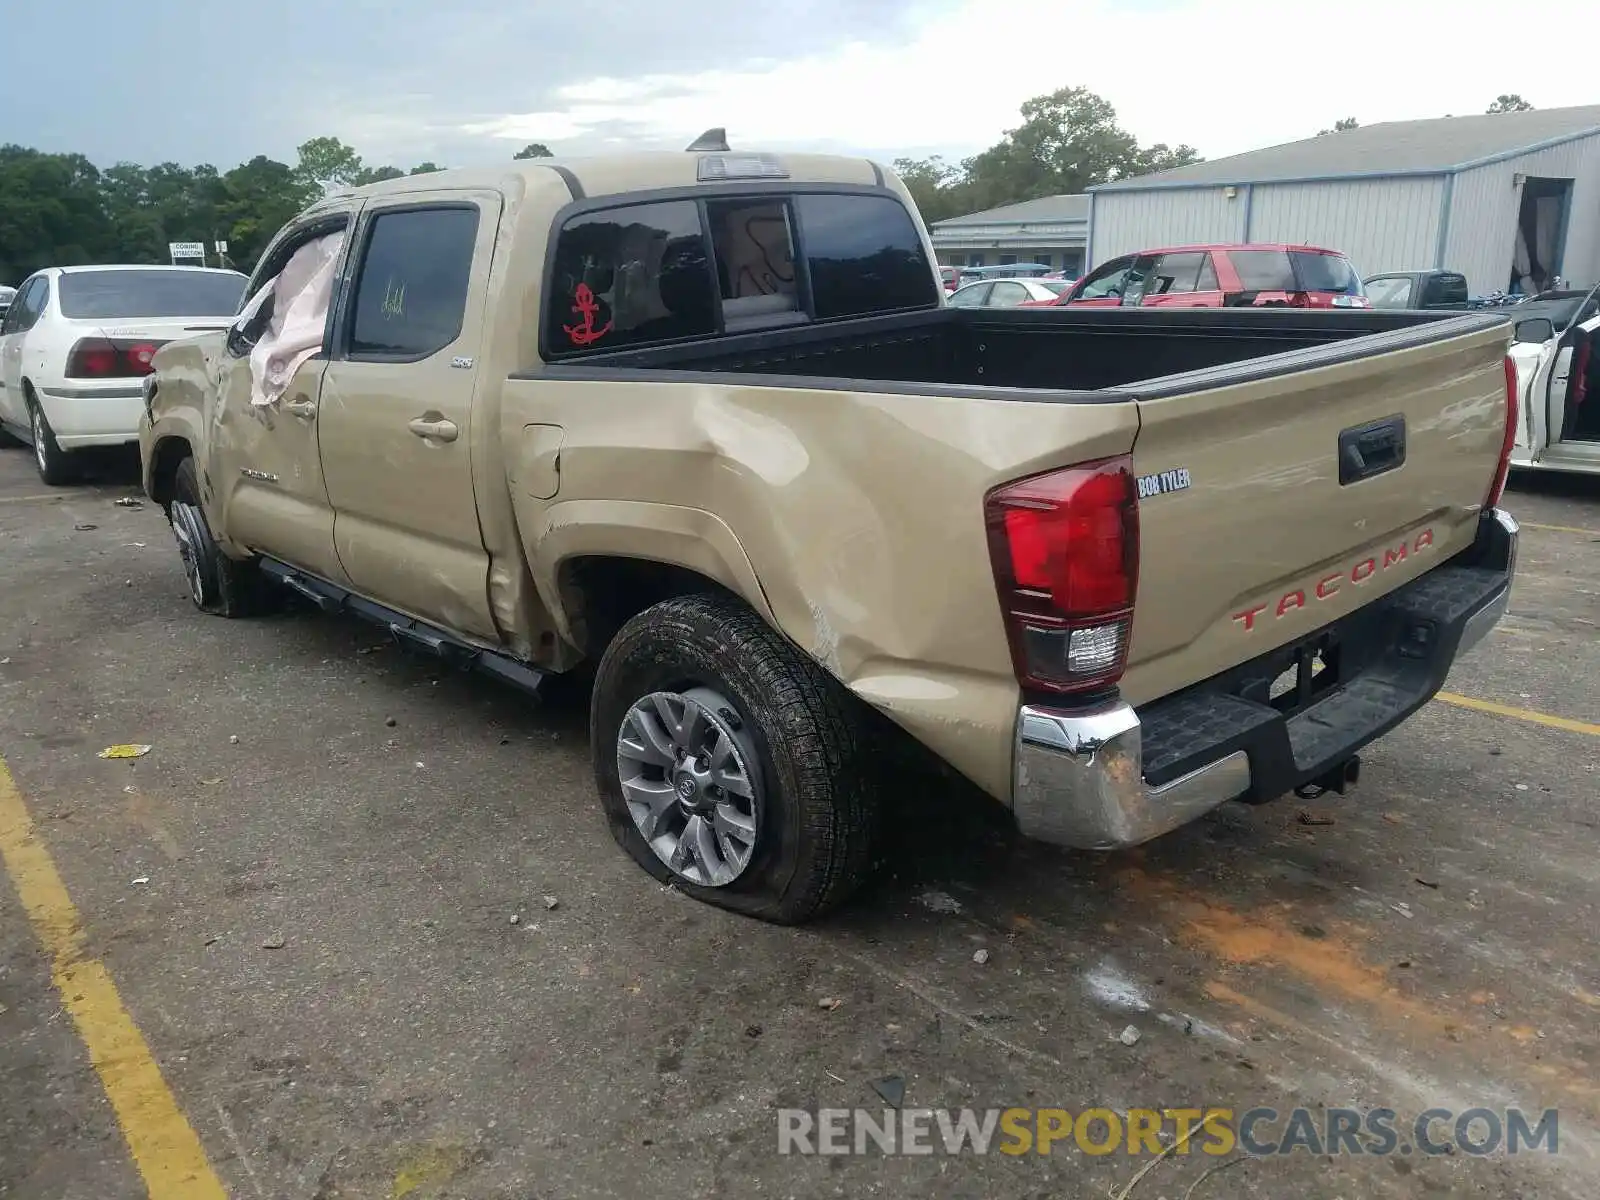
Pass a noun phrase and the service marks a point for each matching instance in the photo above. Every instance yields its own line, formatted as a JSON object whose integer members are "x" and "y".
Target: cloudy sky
{"x": 470, "y": 81}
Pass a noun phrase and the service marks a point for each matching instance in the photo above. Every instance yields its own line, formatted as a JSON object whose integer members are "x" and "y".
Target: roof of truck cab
{"x": 611, "y": 174}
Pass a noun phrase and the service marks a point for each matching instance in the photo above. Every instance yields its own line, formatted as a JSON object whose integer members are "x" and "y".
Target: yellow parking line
{"x": 165, "y": 1148}
{"x": 1560, "y": 528}
{"x": 1521, "y": 714}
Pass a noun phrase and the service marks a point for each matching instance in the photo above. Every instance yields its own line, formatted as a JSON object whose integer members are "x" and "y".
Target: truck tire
{"x": 771, "y": 813}
{"x": 218, "y": 584}
{"x": 56, "y": 466}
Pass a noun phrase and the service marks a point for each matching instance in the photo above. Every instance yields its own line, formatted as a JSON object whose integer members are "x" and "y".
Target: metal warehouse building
{"x": 1510, "y": 199}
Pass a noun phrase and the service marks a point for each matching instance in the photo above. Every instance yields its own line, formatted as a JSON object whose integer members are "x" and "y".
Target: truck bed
{"x": 1058, "y": 350}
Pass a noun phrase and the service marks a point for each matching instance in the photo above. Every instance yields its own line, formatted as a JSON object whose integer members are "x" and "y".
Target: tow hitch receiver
{"x": 1337, "y": 779}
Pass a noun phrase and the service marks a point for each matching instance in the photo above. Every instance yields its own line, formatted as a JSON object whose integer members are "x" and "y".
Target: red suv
{"x": 1222, "y": 276}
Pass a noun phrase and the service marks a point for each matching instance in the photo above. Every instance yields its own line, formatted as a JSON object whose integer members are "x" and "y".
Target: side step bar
{"x": 331, "y": 598}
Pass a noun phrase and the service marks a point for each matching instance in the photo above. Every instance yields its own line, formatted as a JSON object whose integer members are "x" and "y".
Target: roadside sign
{"x": 222, "y": 247}
{"x": 187, "y": 249}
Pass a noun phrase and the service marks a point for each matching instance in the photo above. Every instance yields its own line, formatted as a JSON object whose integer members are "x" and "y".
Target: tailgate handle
{"x": 1371, "y": 449}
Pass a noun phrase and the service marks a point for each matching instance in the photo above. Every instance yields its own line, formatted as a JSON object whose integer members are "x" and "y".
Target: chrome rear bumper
{"x": 1079, "y": 774}
{"x": 1079, "y": 781}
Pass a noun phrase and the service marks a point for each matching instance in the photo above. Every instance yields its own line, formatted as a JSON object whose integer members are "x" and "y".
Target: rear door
{"x": 20, "y": 317}
{"x": 1390, "y": 291}
{"x": 1184, "y": 280}
{"x": 1258, "y": 525}
{"x": 397, "y": 407}
{"x": 1570, "y": 393}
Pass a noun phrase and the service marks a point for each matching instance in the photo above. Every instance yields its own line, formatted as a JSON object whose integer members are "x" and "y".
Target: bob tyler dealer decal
{"x": 1163, "y": 482}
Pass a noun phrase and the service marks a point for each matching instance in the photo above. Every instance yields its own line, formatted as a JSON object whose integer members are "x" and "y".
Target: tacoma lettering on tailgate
{"x": 1326, "y": 587}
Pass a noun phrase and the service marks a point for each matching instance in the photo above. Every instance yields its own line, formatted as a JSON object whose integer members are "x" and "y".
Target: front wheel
{"x": 217, "y": 583}
{"x": 729, "y": 764}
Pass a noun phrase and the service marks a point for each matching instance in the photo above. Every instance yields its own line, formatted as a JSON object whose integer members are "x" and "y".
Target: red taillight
{"x": 103, "y": 358}
{"x": 1065, "y": 552}
{"x": 1510, "y": 439}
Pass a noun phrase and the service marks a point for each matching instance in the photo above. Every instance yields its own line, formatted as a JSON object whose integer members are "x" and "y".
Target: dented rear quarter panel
{"x": 854, "y": 521}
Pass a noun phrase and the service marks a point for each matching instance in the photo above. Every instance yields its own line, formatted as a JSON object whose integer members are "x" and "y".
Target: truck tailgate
{"x": 1250, "y": 539}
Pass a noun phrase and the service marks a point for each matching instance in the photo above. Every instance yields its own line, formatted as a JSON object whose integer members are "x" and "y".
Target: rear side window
{"x": 411, "y": 286}
{"x": 641, "y": 274}
{"x": 1391, "y": 291}
{"x": 1446, "y": 289}
{"x": 28, "y": 304}
{"x": 1325, "y": 273}
{"x": 1263, "y": 270}
{"x": 1174, "y": 274}
{"x": 627, "y": 276}
{"x": 118, "y": 295}
{"x": 864, "y": 255}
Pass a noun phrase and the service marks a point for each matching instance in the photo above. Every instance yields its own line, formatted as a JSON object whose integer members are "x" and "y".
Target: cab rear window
{"x": 643, "y": 274}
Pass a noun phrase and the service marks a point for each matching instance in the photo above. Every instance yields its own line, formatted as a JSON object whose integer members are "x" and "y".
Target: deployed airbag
{"x": 300, "y": 295}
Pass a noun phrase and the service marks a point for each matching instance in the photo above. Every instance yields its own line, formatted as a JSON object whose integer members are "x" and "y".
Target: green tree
{"x": 426, "y": 168}
{"x": 1509, "y": 102}
{"x": 1340, "y": 126}
{"x": 326, "y": 163}
{"x": 377, "y": 175}
{"x": 52, "y": 212}
{"x": 938, "y": 187}
{"x": 1159, "y": 157}
{"x": 1069, "y": 140}
{"x": 126, "y": 196}
{"x": 262, "y": 196}
{"x": 534, "y": 150}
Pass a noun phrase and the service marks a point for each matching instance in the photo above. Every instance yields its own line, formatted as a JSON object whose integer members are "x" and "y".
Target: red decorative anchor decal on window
{"x": 587, "y": 307}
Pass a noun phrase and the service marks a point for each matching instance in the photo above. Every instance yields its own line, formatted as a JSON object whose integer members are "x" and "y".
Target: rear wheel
{"x": 731, "y": 765}
{"x": 217, "y": 584}
{"x": 55, "y": 465}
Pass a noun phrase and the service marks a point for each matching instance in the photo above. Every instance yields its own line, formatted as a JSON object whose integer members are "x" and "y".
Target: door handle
{"x": 437, "y": 429}
{"x": 306, "y": 410}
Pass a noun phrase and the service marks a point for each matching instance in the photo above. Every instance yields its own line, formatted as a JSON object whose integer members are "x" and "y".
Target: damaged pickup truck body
{"x": 702, "y": 424}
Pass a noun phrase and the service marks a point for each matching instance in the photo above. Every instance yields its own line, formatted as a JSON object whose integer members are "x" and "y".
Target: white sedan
{"x": 1007, "y": 293}
{"x": 76, "y": 344}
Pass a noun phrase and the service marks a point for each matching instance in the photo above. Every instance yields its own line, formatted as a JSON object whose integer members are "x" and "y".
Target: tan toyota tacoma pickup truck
{"x": 702, "y": 425}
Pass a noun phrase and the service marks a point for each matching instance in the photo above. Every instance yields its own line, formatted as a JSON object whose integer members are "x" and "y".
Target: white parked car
{"x": 1556, "y": 353}
{"x": 76, "y": 344}
{"x": 1007, "y": 293}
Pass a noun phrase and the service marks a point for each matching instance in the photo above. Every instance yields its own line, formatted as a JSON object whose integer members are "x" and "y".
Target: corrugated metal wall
{"x": 1123, "y": 222}
{"x": 1483, "y": 215}
{"x": 1381, "y": 224}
